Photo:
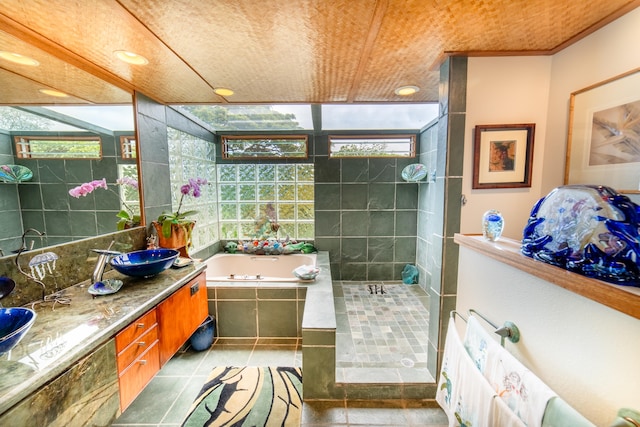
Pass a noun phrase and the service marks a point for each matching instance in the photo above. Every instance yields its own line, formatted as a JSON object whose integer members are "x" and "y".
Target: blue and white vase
{"x": 492, "y": 225}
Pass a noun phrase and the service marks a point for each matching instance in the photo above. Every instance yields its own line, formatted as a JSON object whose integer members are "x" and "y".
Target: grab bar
{"x": 265, "y": 258}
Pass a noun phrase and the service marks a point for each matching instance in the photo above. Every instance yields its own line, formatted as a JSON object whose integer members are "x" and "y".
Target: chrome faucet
{"x": 103, "y": 257}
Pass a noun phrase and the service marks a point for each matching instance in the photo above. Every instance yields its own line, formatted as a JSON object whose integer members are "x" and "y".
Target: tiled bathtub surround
{"x": 257, "y": 312}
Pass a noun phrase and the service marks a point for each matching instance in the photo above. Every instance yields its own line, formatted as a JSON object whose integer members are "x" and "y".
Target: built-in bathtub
{"x": 287, "y": 309}
{"x": 256, "y": 268}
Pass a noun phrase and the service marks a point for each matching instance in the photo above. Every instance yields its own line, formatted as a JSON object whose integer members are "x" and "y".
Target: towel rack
{"x": 509, "y": 330}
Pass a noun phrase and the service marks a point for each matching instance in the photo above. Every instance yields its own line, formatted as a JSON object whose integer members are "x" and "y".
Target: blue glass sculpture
{"x": 587, "y": 229}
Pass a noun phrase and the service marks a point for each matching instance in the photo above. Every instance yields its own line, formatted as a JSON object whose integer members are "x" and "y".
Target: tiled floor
{"x": 166, "y": 400}
{"x": 382, "y": 332}
{"x": 380, "y": 338}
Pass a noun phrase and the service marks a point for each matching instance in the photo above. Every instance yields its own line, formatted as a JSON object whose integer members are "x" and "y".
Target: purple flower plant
{"x": 193, "y": 189}
{"x": 126, "y": 216}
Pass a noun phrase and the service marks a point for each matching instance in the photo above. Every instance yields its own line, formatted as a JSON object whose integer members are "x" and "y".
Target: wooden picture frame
{"x": 603, "y": 144}
{"x": 503, "y": 156}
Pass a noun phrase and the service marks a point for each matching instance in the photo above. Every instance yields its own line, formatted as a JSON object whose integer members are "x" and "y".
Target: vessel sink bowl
{"x": 146, "y": 263}
{"x": 15, "y": 322}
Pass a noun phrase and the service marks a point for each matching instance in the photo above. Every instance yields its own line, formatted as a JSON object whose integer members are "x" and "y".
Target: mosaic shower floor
{"x": 381, "y": 337}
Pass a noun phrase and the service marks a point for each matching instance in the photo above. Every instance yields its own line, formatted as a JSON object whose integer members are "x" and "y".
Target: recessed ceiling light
{"x": 18, "y": 59}
{"x": 131, "y": 58}
{"x": 52, "y": 92}
{"x": 406, "y": 90}
{"x": 223, "y": 91}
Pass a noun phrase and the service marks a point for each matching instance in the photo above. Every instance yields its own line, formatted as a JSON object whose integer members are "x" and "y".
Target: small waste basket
{"x": 203, "y": 337}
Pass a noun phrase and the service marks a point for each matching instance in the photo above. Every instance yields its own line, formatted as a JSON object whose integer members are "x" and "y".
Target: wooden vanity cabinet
{"x": 148, "y": 343}
{"x": 180, "y": 315}
{"x": 137, "y": 356}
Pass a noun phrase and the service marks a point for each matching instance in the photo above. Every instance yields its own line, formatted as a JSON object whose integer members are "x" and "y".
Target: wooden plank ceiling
{"x": 271, "y": 51}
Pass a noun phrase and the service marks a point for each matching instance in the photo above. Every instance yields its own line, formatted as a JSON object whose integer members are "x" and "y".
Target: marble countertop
{"x": 64, "y": 334}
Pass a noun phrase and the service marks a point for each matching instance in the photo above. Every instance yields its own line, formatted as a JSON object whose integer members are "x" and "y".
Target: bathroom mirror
{"x": 65, "y": 147}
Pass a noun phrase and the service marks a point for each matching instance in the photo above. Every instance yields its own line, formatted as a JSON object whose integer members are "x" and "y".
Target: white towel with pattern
{"x": 463, "y": 393}
{"x": 521, "y": 390}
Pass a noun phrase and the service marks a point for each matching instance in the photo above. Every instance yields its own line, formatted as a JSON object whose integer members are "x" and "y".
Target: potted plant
{"x": 175, "y": 228}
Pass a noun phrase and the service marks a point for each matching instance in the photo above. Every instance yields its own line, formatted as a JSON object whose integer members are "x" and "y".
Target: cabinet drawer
{"x": 137, "y": 347}
{"x": 135, "y": 377}
{"x": 135, "y": 330}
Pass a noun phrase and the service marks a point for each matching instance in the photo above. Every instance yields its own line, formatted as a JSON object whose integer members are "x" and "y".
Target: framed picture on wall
{"x": 503, "y": 155}
{"x": 603, "y": 145}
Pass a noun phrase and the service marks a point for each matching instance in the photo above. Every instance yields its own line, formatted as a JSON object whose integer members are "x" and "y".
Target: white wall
{"x": 586, "y": 352}
{"x": 503, "y": 90}
{"x": 609, "y": 52}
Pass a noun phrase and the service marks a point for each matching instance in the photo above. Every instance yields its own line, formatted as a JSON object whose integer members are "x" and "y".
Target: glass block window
{"x": 372, "y": 146}
{"x": 252, "y": 193}
{"x": 41, "y": 147}
{"x": 193, "y": 157}
{"x": 265, "y": 147}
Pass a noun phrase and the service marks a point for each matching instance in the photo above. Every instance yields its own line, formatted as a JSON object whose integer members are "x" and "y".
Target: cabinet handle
{"x": 142, "y": 343}
{"x": 195, "y": 288}
{"x": 140, "y": 325}
{"x": 143, "y": 362}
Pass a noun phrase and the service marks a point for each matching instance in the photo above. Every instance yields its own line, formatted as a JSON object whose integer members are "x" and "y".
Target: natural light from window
{"x": 285, "y": 117}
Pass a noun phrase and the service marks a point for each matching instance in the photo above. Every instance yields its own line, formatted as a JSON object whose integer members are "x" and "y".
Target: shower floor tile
{"x": 380, "y": 336}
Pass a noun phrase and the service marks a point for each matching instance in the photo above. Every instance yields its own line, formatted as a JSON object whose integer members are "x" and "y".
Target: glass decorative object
{"x": 414, "y": 172}
{"x": 587, "y": 229}
{"x": 15, "y": 173}
{"x": 492, "y": 225}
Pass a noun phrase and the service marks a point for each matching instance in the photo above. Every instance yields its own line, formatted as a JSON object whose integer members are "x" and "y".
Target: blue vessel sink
{"x": 146, "y": 263}
{"x": 15, "y": 322}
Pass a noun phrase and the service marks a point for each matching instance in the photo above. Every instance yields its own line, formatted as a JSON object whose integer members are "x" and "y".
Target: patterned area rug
{"x": 249, "y": 396}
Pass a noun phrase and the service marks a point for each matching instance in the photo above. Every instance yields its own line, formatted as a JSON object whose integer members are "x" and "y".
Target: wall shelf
{"x": 625, "y": 299}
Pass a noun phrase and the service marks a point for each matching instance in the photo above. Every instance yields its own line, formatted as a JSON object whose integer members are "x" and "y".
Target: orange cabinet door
{"x": 180, "y": 315}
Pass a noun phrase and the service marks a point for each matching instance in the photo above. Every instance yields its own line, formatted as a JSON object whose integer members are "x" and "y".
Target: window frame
{"x": 23, "y": 148}
{"x": 296, "y": 138}
{"x": 372, "y": 137}
{"x": 128, "y": 147}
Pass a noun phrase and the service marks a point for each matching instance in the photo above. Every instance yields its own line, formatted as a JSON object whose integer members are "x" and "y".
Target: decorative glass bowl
{"x": 306, "y": 272}
{"x": 106, "y": 287}
{"x": 414, "y": 172}
{"x": 146, "y": 263}
{"x": 15, "y": 322}
{"x": 15, "y": 173}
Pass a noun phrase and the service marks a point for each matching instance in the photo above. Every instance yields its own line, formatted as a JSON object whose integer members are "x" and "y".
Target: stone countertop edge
{"x": 93, "y": 321}
{"x": 319, "y": 309}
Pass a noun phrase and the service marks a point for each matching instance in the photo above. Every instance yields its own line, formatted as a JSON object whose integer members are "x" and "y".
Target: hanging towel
{"x": 463, "y": 393}
{"x": 478, "y": 344}
{"x": 502, "y": 415}
{"x": 518, "y": 387}
{"x": 523, "y": 392}
{"x": 559, "y": 414}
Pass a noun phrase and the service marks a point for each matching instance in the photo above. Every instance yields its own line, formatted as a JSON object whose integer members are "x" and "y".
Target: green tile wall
{"x": 365, "y": 215}
{"x": 11, "y": 224}
{"x": 45, "y": 204}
